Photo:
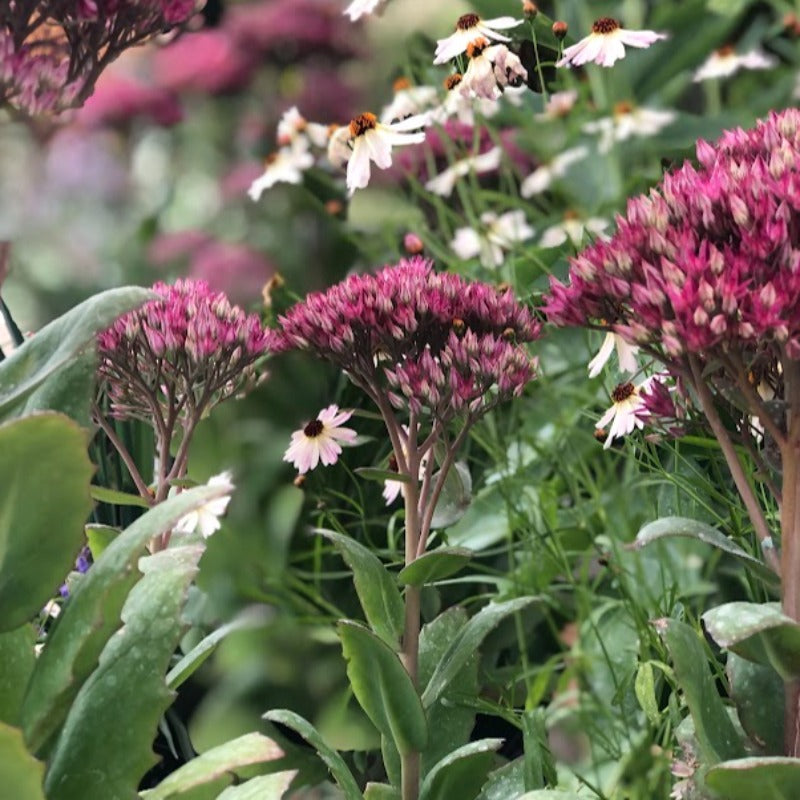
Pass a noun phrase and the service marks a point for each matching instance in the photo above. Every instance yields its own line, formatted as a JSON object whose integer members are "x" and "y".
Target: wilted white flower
{"x": 444, "y": 183}
{"x": 409, "y": 100}
{"x": 626, "y": 355}
{"x": 468, "y": 28}
{"x": 361, "y": 8}
{"x": 371, "y": 140}
{"x": 283, "y": 166}
{"x": 559, "y": 104}
{"x": 628, "y": 121}
{"x": 605, "y": 45}
{"x": 725, "y": 62}
{"x": 206, "y": 517}
{"x": 499, "y": 233}
{"x": 541, "y": 178}
{"x": 462, "y": 105}
{"x": 572, "y": 228}
{"x": 491, "y": 69}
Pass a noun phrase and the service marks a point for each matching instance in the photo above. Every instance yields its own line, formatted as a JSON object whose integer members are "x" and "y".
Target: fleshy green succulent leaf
{"x": 450, "y": 716}
{"x": 17, "y": 659}
{"x": 460, "y": 773}
{"x": 262, "y": 787}
{"x": 757, "y": 692}
{"x": 104, "y": 747}
{"x": 668, "y": 527}
{"x": 455, "y": 498}
{"x": 92, "y": 615}
{"x": 377, "y": 591}
{"x": 715, "y": 732}
{"x": 20, "y": 773}
{"x": 776, "y": 778}
{"x": 39, "y": 541}
{"x": 98, "y": 537}
{"x": 252, "y": 748}
{"x": 506, "y": 782}
{"x": 759, "y": 632}
{"x": 467, "y": 642}
{"x": 381, "y": 791}
{"x": 335, "y": 763}
{"x": 383, "y": 687}
{"x": 434, "y": 566}
{"x": 55, "y": 369}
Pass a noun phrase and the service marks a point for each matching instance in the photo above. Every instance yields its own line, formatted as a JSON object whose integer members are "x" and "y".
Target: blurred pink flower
{"x": 208, "y": 61}
{"x": 118, "y": 99}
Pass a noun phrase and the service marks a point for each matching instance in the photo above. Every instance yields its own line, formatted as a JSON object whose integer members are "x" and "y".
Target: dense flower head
{"x": 442, "y": 343}
{"x": 709, "y": 261}
{"x": 184, "y": 352}
{"x": 52, "y": 52}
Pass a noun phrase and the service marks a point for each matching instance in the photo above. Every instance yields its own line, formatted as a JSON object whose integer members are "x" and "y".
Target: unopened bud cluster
{"x": 709, "y": 261}
{"x": 429, "y": 341}
{"x": 180, "y": 354}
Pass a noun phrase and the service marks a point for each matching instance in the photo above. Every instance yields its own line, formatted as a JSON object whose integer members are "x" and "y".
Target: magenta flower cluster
{"x": 178, "y": 355}
{"x": 427, "y": 340}
{"x": 53, "y": 51}
{"x": 709, "y": 261}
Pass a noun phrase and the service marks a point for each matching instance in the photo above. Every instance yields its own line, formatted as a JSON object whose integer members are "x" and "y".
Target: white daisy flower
{"x": 625, "y": 415}
{"x": 725, "y": 62}
{"x": 559, "y": 104}
{"x": 468, "y": 28}
{"x": 283, "y": 166}
{"x": 626, "y": 355}
{"x": 605, "y": 45}
{"x": 409, "y": 100}
{"x": 541, "y": 178}
{"x": 628, "y": 121}
{"x": 362, "y": 8}
{"x": 371, "y": 140}
{"x": 499, "y": 234}
{"x": 444, "y": 183}
{"x": 319, "y": 440}
{"x": 572, "y": 228}
{"x": 206, "y": 517}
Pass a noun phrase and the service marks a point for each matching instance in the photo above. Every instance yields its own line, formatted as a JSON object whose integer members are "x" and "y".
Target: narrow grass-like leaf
{"x": 92, "y": 615}
{"x": 252, "y": 748}
{"x": 43, "y": 458}
{"x": 377, "y": 591}
{"x": 383, "y": 688}
{"x": 116, "y": 498}
{"x": 104, "y": 747}
{"x": 715, "y": 732}
{"x": 467, "y": 642}
{"x": 335, "y": 763}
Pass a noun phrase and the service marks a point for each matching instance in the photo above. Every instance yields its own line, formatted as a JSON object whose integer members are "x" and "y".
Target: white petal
{"x": 554, "y": 236}
{"x": 466, "y": 243}
{"x": 603, "y": 354}
{"x": 358, "y": 170}
{"x": 639, "y": 38}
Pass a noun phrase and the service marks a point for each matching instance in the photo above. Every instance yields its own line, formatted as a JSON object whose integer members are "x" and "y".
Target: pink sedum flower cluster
{"x": 179, "y": 355}
{"x": 709, "y": 261}
{"x": 428, "y": 341}
{"x": 53, "y": 51}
